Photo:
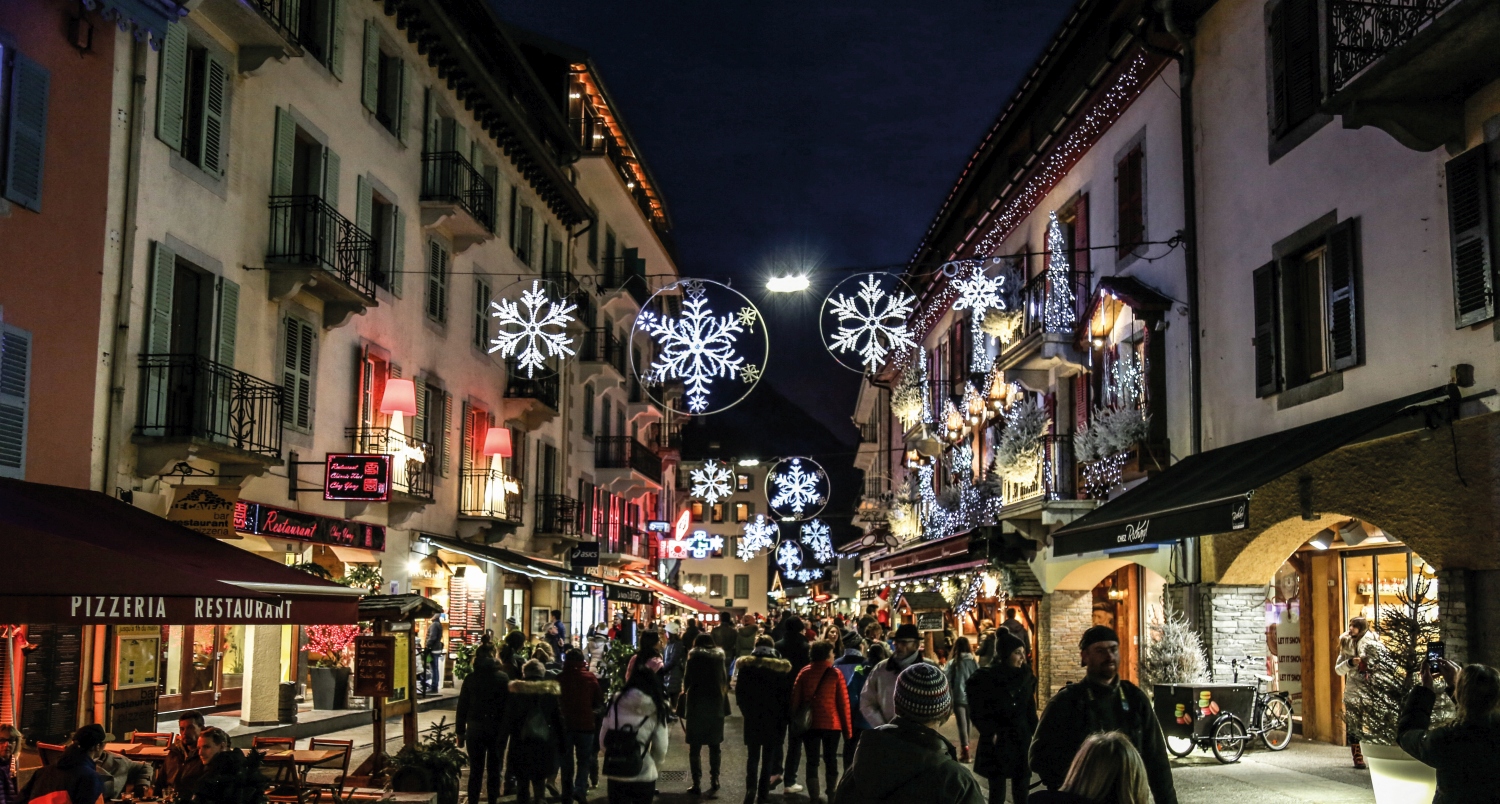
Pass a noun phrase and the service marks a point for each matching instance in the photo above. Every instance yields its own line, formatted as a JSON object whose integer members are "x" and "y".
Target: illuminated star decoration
{"x": 981, "y": 294}
{"x": 788, "y": 557}
{"x": 702, "y": 545}
{"x": 533, "y": 328}
{"x": 711, "y": 483}
{"x": 797, "y": 489}
{"x": 699, "y": 347}
{"x": 870, "y": 328}
{"x": 816, "y": 536}
{"x": 760, "y": 534}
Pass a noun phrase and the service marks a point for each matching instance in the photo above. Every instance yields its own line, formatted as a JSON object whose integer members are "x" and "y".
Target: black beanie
{"x": 1098, "y": 633}
{"x": 1006, "y": 643}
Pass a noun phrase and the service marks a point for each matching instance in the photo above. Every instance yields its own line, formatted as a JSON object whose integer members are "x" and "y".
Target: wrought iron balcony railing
{"x": 448, "y": 177}
{"x": 1360, "y": 32}
{"x": 519, "y": 386}
{"x": 869, "y": 432}
{"x": 1052, "y": 479}
{"x": 306, "y": 230}
{"x": 413, "y": 461}
{"x": 490, "y": 493}
{"x": 187, "y": 396}
{"x": 663, "y": 436}
{"x": 624, "y": 452}
{"x": 557, "y": 514}
{"x": 602, "y": 345}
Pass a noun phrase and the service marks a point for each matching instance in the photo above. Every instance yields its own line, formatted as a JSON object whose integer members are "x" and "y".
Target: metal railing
{"x": 624, "y": 452}
{"x": 490, "y": 493}
{"x": 869, "y": 432}
{"x": 1360, "y": 32}
{"x": 187, "y": 396}
{"x": 306, "y": 230}
{"x": 281, "y": 15}
{"x": 662, "y": 436}
{"x": 1053, "y": 478}
{"x": 1047, "y": 306}
{"x": 448, "y": 177}
{"x": 519, "y": 386}
{"x": 557, "y": 514}
{"x": 601, "y": 345}
{"x": 413, "y": 461}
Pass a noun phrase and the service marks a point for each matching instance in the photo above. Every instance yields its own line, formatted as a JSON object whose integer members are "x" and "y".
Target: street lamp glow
{"x": 793, "y": 283}
{"x": 749, "y": 462}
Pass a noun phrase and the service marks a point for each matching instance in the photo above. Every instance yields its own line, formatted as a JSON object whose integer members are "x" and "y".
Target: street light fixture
{"x": 792, "y": 283}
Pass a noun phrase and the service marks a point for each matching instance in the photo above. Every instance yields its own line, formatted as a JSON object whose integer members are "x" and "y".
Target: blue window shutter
{"x": 171, "y": 88}
{"x": 15, "y": 381}
{"x": 26, "y": 150}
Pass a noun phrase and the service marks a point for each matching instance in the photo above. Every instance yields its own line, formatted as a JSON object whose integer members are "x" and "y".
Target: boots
{"x": 812, "y": 789}
{"x": 713, "y": 787}
{"x": 1359, "y": 757}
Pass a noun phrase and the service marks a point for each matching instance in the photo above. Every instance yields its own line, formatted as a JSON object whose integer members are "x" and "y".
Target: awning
{"x": 519, "y": 563}
{"x": 673, "y": 597}
{"x": 75, "y": 556}
{"x": 1210, "y": 492}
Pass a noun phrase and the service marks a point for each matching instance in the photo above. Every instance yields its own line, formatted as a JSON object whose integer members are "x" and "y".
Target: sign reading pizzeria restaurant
{"x": 260, "y": 519}
{"x": 357, "y": 478}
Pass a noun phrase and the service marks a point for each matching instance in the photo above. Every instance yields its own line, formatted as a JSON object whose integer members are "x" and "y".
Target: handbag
{"x": 802, "y": 715}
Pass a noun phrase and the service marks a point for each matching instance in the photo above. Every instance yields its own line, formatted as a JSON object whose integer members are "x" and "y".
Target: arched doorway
{"x": 1126, "y": 596}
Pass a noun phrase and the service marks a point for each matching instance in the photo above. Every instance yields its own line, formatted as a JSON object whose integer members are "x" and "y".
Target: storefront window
{"x": 234, "y": 656}
{"x": 1376, "y": 578}
{"x": 1284, "y": 631}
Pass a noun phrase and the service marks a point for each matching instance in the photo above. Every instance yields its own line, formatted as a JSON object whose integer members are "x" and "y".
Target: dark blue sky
{"x": 824, "y": 130}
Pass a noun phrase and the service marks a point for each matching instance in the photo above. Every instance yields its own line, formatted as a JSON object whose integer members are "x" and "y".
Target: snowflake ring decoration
{"x": 760, "y": 534}
{"x": 712, "y": 482}
{"x": 796, "y": 488}
{"x": 815, "y": 535}
{"x": 535, "y": 323}
{"x": 788, "y": 557}
{"x": 715, "y": 359}
{"x": 864, "y": 322}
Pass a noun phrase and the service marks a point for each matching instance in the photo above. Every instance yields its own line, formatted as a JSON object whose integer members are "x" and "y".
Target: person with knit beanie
{"x": 906, "y": 760}
{"x": 877, "y": 700}
{"x": 1002, "y": 701}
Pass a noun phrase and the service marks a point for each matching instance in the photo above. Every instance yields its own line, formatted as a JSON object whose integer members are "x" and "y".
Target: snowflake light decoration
{"x": 981, "y": 294}
{"x": 815, "y": 535}
{"x": 699, "y": 347}
{"x": 760, "y": 534}
{"x": 711, "y": 482}
{"x": 801, "y": 488}
{"x": 871, "y": 323}
{"x": 543, "y": 324}
{"x": 788, "y": 557}
{"x": 702, "y": 545}
{"x": 805, "y": 575}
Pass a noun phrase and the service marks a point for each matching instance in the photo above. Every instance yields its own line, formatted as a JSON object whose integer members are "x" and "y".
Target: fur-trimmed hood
{"x": 715, "y": 651}
{"x": 774, "y": 664}
{"x": 533, "y": 687}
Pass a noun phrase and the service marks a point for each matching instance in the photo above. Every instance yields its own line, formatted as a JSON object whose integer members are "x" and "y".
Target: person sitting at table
{"x": 229, "y": 777}
{"x": 184, "y": 768}
{"x": 120, "y": 773}
{"x": 10, "y": 743}
{"x": 73, "y": 778}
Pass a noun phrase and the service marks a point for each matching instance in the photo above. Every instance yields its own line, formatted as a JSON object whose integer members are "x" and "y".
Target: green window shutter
{"x": 228, "y": 322}
{"x": 331, "y": 177}
{"x": 1470, "y": 243}
{"x": 481, "y": 314}
{"x": 515, "y": 215}
{"x": 437, "y": 281}
{"x": 163, "y": 274}
{"x": 429, "y": 120}
{"x": 1344, "y": 337}
{"x": 15, "y": 384}
{"x": 171, "y": 86}
{"x": 215, "y": 99}
{"x": 398, "y": 250}
{"x": 447, "y": 437}
{"x": 557, "y": 256}
{"x": 1267, "y": 331}
{"x": 492, "y": 178}
{"x": 284, "y": 161}
{"x": 370, "y": 87}
{"x": 402, "y": 100}
{"x": 460, "y": 140}
{"x": 26, "y": 148}
{"x": 301, "y": 341}
{"x": 419, "y": 423}
{"x": 336, "y": 38}
{"x": 293, "y": 334}
{"x": 362, "y": 203}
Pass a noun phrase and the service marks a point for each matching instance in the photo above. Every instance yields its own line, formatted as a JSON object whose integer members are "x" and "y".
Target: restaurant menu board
{"x": 49, "y": 702}
{"x": 374, "y": 665}
{"x": 360, "y": 478}
{"x": 401, "y": 672}
{"x": 929, "y": 621}
{"x": 137, "y": 656}
{"x": 465, "y": 614}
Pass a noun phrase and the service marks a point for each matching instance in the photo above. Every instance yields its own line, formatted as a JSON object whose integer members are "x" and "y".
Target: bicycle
{"x": 1227, "y": 735}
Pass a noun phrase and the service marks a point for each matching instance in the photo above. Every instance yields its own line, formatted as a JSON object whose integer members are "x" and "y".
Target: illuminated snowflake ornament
{"x": 788, "y": 557}
{"x": 702, "y": 545}
{"x": 524, "y": 335}
{"x": 870, "y": 323}
{"x": 797, "y": 488}
{"x": 702, "y": 350}
{"x": 711, "y": 483}
{"x": 815, "y": 536}
{"x": 760, "y": 534}
{"x": 804, "y": 575}
{"x": 981, "y": 294}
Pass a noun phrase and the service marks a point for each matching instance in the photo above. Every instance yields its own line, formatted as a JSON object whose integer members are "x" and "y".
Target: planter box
{"x": 330, "y": 687}
{"x": 1397, "y": 777}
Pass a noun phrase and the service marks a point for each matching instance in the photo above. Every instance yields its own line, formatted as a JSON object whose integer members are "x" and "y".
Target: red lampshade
{"x": 497, "y": 442}
{"x": 400, "y": 397}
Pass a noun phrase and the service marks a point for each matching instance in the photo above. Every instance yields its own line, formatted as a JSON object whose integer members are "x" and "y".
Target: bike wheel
{"x": 1276, "y": 721}
{"x": 1180, "y": 747}
{"x": 1228, "y": 739}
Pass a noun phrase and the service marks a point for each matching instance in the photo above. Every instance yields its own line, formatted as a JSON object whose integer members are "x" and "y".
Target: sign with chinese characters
{"x": 268, "y": 520}
{"x": 206, "y": 509}
{"x": 358, "y": 478}
{"x": 374, "y": 665}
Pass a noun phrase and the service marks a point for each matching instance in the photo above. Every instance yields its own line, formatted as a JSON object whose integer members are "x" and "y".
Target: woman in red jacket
{"x": 821, "y": 688}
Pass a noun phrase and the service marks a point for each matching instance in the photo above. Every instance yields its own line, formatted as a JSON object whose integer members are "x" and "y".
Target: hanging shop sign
{"x": 260, "y": 519}
{"x": 374, "y": 665}
{"x": 929, "y": 621}
{"x": 659, "y": 526}
{"x": 584, "y": 554}
{"x": 674, "y": 548}
{"x": 357, "y": 478}
{"x": 206, "y": 509}
{"x": 629, "y": 594}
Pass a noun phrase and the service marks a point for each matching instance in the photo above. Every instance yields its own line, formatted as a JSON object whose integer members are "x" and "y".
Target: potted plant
{"x": 328, "y": 649}
{"x": 430, "y": 765}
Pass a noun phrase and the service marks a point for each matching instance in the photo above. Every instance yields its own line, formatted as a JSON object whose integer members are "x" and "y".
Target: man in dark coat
{"x": 435, "y": 648}
{"x": 481, "y": 705}
{"x": 727, "y": 639}
{"x": 1462, "y": 751}
{"x": 764, "y": 693}
{"x": 73, "y": 774}
{"x": 793, "y": 647}
{"x": 705, "y": 704}
{"x": 581, "y": 698}
{"x": 1002, "y": 701}
{"x": 184, "y": 768}
{"x": 229, "y": 777}
{"x": 533, "y": 723}
{"x": 1101, "y": 702}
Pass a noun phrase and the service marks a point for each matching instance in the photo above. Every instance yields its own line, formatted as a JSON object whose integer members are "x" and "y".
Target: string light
{"x": 1058, "y": 313}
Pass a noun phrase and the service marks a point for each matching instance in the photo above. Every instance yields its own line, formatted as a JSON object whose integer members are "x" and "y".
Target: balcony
{"x": 868, "y": 450}
{"x": 315, "y": 249}
{"x": 595, "y": 139}
{"x": 663, "y": 437}
{"x": 413, "y": 461}
{"x": 531, "y": 400}
{"x": 457, "y": 201}
{"x": 192, "y": 407}
{"x": 557, "y": 515}
{"x": 492, "y": 495}
{"x": 1046, "y": 496}
{"x": 1407, "y": 66}
{"x": 263, "y": 29}
{"x": 1044, "y": 326}
{"x": 625, "y": 466}
{"x": 603, "y": 357}
{"x": 624, "y": 277}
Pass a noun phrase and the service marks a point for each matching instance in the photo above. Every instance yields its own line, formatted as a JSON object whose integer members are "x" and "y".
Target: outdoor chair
{"x": 330, "y": 776}
{"x": 49, "y": 753}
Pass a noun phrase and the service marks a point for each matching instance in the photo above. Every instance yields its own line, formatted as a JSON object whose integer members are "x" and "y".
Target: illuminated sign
{"x": 358, "y": 478}
{"x": 282, "y": 523}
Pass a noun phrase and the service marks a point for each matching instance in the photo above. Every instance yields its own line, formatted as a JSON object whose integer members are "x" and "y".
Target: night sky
{"x": 795, "y": 133}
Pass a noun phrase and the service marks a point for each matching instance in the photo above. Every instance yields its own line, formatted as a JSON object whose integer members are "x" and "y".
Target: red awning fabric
{"x": 74, "y": 556}
{"x": 675, "y": 597}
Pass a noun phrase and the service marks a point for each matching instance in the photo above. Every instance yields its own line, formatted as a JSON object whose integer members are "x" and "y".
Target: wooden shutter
{"x": 285, "y": 158}
{"x": 362, "y": 204}
{"x": 437, "y": 281}
{"x": 419, "y": 422}
{"x": 398, "y": 250}
{"x": 403, "y": 79}
{"x": 1344, "y": 338}
{"x": 1130, "y": 226}
{"x": 171, "y": 86}
{"x": 481, "y": 314}
{"x": 331, "y": 179}
{"x": 466, "y": 457}
{"x": 515, "y": 216}
{"x": 528, "y": 235}
{"x": 215, "y": 99}
{"x": 1267, "y": 331}
{"x": 447, "y": 436}
{"x": 15, "y": 383}
{"x": 1470, "y": 241}
{"x": 26, "y": 150}
{"x": 1303, "y": 68}
{"x": 336, "y": 38}
{"x": 227, "y": 321}
{"x": 429, "y": 121}
{"x": 297, "y": 376}
{"x": 370, "y": 86}
{"x": 1277, "y": 37}
{"x": 492, "y": 178}
{"x": 557, "y": 255}
{"x": 163, "y": 275}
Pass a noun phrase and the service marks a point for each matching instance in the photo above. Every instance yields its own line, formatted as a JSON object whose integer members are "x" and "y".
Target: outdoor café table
{"x": 139, "y": 752}
{"x": 305, "y": 759}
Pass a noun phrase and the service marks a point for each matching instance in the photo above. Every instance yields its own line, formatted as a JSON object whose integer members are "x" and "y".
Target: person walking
{"x": 793, "y": 647}
{"x": 868, "y": 617}
{"x": 638, "y": 717}
{"x": 1101, "y": 702}
{"x": 727, "y": 638}
{"x": 747, "y": 631}
{"x": 763, "y": 691}
{"x": 647, "y": 653}
{"x": 1107, "y": 770}
{"x": 849, "y": 665}
{"x": 877, "y": 702}
{"x": 820, "y": 688}
{"x": 673, "y": 658}
{"x": 435, "y": 648}
{"x": 513, "y": 654}
{"x": 961, "y": 667}
{"x": 1359, "y": 653}
{"x": 533, "y": 724}
{"x": 557, "y": 634}
{"x": 74, "y": 774}
{"x": 1002, "y": 701}
{"x": 582, "y": 696}
{"x": 986, "y": 652}
{"x": 597, "y": 646}
{"x": 1463, "y": 751}
{"x": 907, "y": 760}
{"x": 481, "y": 706}
{"x": 1017, "y": 628}
{"x": 705, "y": 704}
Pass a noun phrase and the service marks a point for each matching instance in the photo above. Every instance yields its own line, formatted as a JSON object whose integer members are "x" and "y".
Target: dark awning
{"x": 76, "y": 556}
{"x": 1210, "y": 492}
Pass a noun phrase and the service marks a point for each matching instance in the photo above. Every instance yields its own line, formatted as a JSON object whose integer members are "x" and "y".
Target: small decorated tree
{"x": 331, "y": 643}
{"x": 1177, "y": 657}
{"x": 1405, "y": 628}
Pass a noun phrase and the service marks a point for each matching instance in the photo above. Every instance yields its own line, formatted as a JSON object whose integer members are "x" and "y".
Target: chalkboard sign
{"x": 929, "y": 621}
{"x": 362, "y": 478}
{"x": 374, "y": 666}
{"x": 49, "y": 704}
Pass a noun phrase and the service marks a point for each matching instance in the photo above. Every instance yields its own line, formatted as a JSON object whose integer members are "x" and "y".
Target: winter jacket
{"x": 652, "y": 658}
{"x": 597, "y": 645}
{"x": 581, "y": 698}
{"x": 434, "y": 642}
{"x": 904, "y": 761}
{"x": 986, "y": 652}
{"x": 1085, "y": 708}
{"x": 1002, "y": 704}
{"x": 848, "y": 665}
{"x": 533, "y": 723}
{"x": 635, "y": 710}
{"x": 821, "y": 686}
{"x": 764, "y": 694}
{"x": 120, "y": 774}
{"x": 673, "y": 656}
{"x": 1463, "y": 754}
{"x": 727, "y": 639}
{"x": 961, "y": 667}
{"x": 481, "y": 701}
{"x": 73, "y": 774}
{"x": 746, "y": 643}
{"x": 793, "y": 648}
{"x": 1368, "y": 648}
{"x": 705, "y": 696}
{"x": 877, "y": 701}
{"x": 231, "y": 777}
{"x": 183, "y": 770}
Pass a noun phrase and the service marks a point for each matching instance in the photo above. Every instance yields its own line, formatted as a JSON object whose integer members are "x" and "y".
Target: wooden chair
{"x": 284, "y": 782}
{"x": 49, "y": 753}
{"x": 273, "y": 743}
{"x": 329, "y": 776}
{"x": 158, "y": 738}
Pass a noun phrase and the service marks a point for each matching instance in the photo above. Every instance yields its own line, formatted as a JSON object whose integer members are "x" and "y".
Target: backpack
{"x": 534, "y": 729}
{"x": 624, "y": 754}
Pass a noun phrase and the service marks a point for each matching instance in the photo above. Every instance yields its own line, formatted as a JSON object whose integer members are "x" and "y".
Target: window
{"x": 1471, "y": 239}
{"x": 15, "y": 384}
{"x": 695, "y": 580}
{"x": 594, "y": 244}
{"x": 588, "y": 409}
{"x": 301, "y": 340}
{"x": 555, "y": 264}
{"x": 1130, "y": 202}
{"x": 321, "y": 33}
{"x": 193, "y": 103}
{"x": 715, "y": 585}
{"x": 718, "y": 512}
{"x": 521, "y": 234}
{"x": 741, "y": 587}
{"x": 742, "y": 482}
{"x": 385, "y": 223}
{"x": 1296, "y": 78}
{"x": 23, "y": 124}
{"x": 437, "y": 282}
{"x": 697, "y": 509}
{"x": 383, "y": 87}
{"x": 481, "y": 315}
{"x": 1307, "y": 317}
{"x": 434, "y": 420}
{"x": 743, "y": 511}
{"x": 604, "y": 418}
{"x": 609, "y": 254}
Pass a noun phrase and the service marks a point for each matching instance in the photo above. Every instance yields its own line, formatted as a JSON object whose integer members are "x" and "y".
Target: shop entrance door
{"x": 204, "y": 667}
